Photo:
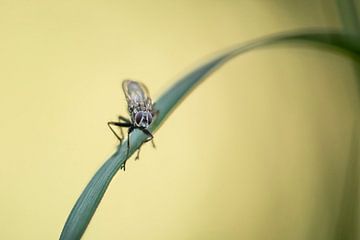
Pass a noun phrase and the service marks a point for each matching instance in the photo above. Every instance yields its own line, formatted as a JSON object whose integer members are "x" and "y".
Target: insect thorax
{"x": 137, "y": 106}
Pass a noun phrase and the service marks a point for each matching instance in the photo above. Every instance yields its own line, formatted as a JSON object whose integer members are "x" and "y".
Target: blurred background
{"x": 263, "y": 149}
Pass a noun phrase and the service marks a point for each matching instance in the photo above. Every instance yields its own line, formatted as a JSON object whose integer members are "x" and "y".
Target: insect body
{"x": 141, "y": 113}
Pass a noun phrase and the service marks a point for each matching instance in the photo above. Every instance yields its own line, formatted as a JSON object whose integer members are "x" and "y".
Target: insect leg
{"x": 151, "y": 137}
{"x": 153, "y": 143}
{"x": 121, "y": 118}
{"x": 131, "y": 128}
{"x": 155, "y": 113}
{"x": 138, "y": 152}
{"x": 119, "y": 124}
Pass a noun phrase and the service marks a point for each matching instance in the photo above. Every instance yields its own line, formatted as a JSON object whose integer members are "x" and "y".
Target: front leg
{"x": 151, "y": 137}
{"x": 121, "y": 118}
{"x": 121, "y": 125}
{"x": 128, "y": 143}
{"x": 131, "y": 128}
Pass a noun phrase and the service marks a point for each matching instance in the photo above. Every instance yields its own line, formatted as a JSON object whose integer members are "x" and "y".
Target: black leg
{"x": 131, "y": 128}
{"x": 153, "y": 143}
{"x": 155, "y": 114}
{"x": 121, "y": 125}
{"x": 128, "y": 143}
{"x": 148, "y": 133}
{"x": 151, "y": 137}
{"x": 138, "y": 152}
{"x": 121, "y": 118}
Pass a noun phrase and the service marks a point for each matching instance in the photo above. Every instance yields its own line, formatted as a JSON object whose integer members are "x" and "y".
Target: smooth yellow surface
{"x": 258, "y": 151}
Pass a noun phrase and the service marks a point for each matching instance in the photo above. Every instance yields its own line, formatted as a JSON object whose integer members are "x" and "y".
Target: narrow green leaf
{"x": 351, "y": 26}
{"x": 349, "y": 16}
{"x": 347, "y": 225}
{"x": 90, "y": 198}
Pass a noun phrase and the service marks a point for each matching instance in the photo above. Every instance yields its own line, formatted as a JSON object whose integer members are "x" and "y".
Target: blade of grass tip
{"x": 90, "y": 198}
{"x": 176, "y": 93}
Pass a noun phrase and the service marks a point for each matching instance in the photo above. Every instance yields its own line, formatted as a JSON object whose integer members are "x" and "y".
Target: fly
{"x": 141, "y": 113}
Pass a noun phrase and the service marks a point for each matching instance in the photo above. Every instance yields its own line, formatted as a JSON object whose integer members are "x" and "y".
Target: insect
{"x": 141, "y": 113}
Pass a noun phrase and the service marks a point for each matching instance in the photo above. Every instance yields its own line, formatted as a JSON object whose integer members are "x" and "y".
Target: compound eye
{"x": 149, "y": 118}
{"x": 138, "y": 118}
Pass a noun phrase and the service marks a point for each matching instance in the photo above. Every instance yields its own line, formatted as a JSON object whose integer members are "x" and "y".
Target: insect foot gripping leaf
{"x": 141, "y": 113}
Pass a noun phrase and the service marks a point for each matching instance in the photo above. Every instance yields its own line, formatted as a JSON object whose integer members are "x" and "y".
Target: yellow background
{"x": 258, "y": 151}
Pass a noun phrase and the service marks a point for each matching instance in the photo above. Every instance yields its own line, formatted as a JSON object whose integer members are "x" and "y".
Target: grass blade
{"x": 349, "y": 16}
{"x": 348, "y": 219}
{"x": 90, "y": 198}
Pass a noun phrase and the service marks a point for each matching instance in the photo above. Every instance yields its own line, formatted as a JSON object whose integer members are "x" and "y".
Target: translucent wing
{"x": 135, "y": 91}
{"x": 136, "y": 94}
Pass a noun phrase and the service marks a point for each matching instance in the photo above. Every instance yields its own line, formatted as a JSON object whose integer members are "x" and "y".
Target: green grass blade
{"x": 347, "y": 225}
{"x": 349, "y": 16}
{"x": 90, "y": 198}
